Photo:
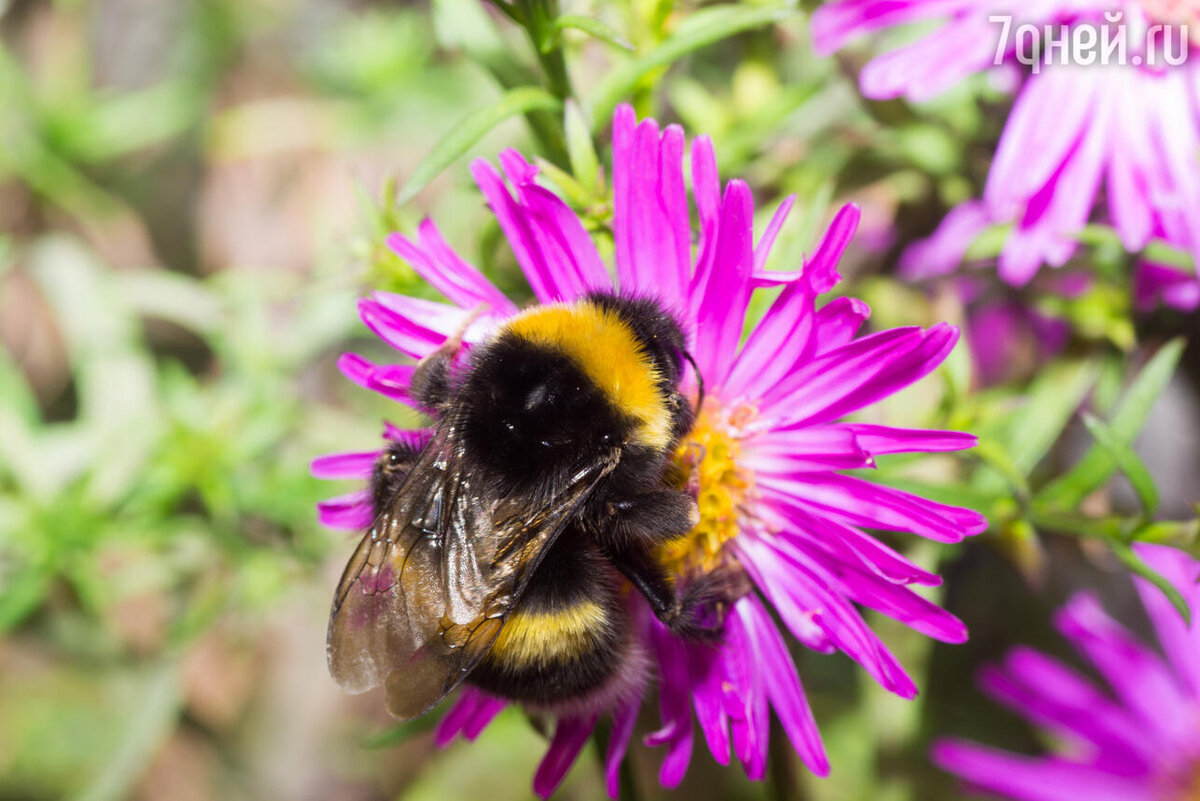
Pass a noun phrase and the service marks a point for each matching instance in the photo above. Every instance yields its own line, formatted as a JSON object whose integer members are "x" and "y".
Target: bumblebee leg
{"x": 696, "y": 614}
{"x": 651, "y": 519}
{"x": 430, "y": 385}
{"x": 389, "y": 473}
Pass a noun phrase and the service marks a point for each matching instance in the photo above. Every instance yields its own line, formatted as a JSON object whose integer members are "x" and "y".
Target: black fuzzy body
{"x": 529, "y": 418}
{"x": 574, "y": 572}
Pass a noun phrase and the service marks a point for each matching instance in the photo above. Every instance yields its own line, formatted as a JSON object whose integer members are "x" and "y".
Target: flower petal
{"x": 674, "y": 706}
{"x": 1034, "y": 779}
{"x": 469, "y": 716}
{"x": 858, "y": 502}
{"x": 570, "y": 736}
{"x": 624, "y": 720}
{"x": 436, "y": 262}
{"x": 356, "y": 464}
{"x": 1138, "y": 676}
{"x": 1180, "y": 641}
{"x": 352, "y": 511}
{"x": 783, "y": 686}
{"x": 651, "y": 229}
{"x": 1057, "y": 698}
{"x": 878, "y": 440}
{"x": 720, "y": 294}
{"x": 796, "y": 591}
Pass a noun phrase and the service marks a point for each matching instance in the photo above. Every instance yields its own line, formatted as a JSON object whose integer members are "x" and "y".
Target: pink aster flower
{"x": 773, "y": 443}
{"x": 1136, "y": 739}
{"x": 1129, "y": 133}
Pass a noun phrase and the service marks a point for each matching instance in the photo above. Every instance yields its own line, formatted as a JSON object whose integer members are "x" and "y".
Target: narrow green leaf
{"x": 580, "y": 147}
{"x": 1132, "y": 561}
{"x": 1108, "y": 529}
{"x": 470, "y": 130}
{"x": 1127, "y": 460}
{"x": 1098, "y": 465}
{"x": 1029, "y": 432}
{"x": 998, "y": 458}
{"x": 593, "y": 27}
{"x": 565, "y": 183}
{"x": 1169, "y": 532}
{"x": 1053, "y": 400}
{"x": 701, "y": 30}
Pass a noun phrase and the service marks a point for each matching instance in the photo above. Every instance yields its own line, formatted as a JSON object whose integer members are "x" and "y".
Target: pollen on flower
{"x": 708, "y": 462}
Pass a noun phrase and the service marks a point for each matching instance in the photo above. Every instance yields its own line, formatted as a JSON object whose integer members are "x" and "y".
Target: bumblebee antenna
{"x": 699, "y": 379}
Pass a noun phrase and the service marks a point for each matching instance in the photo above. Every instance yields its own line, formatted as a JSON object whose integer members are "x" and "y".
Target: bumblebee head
{"x": 532, "y": 412}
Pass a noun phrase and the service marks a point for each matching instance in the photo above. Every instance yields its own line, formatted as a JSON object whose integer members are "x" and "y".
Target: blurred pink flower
{"x": 773, "y": 497}
{"x": 1138, "y": 739}
{"x": 1132, "y": 130}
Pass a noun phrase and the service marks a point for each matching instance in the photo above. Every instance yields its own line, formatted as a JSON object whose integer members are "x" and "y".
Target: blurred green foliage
{"x": 193, "y": 194}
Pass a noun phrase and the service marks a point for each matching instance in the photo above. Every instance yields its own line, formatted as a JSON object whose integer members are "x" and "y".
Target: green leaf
{"x": 1168, "y": 532}
{"x": 470, "y": 130}
{"x": 580, "y": 147}
{"x": 699, "y": 30}
{"x": 593, "y": 27}
{"x": 998, "y": 458}
{"x": 1132, "y": 561}
{"x": 1029, "y": 432}
{"x": 1098, "y": 464}
{"x": 1053, "y": 400}
{"x": 1125, "y": 457}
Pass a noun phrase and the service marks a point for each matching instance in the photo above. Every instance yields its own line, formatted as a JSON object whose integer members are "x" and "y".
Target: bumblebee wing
{"x": 426, "y": 593}
{"x": 390, "y": 588}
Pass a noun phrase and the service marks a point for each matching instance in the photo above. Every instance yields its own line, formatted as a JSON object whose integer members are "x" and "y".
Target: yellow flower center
{"x": 707, "y": 465}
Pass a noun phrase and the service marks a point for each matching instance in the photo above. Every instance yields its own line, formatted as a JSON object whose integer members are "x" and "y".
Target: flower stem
{"x": 783, "y": 782}
{"x": 538, "y": 17}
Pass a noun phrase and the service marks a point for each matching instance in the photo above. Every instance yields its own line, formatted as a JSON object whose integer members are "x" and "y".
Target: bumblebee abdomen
{"x": 549, "y": 661}
{"x": 568, "y": 638}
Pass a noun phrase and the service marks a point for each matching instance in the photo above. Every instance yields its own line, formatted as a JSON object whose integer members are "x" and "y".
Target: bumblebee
{"x": 502, "y": 548}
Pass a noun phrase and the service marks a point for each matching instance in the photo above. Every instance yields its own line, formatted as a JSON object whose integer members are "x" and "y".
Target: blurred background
{"x": 193, "y": 193}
